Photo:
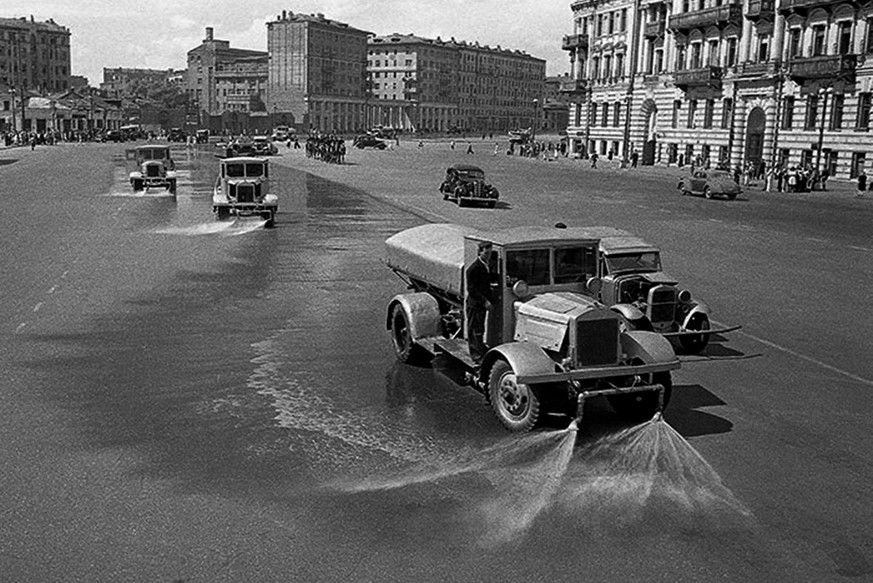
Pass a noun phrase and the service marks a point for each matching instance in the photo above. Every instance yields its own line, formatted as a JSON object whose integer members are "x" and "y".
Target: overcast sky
{"x": 157, "y": 34}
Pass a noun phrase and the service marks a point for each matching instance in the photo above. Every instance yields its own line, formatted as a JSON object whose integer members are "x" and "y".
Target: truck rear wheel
{"x": 637, "y": 407}
{"x": 515, "y": 404}
{"x": 401, "y": 337}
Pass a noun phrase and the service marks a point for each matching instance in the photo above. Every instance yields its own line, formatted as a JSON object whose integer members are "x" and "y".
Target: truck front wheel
{"x": 400, "y": 335}
{"x": 515, "y": 404}
{"x": 694, "y": 344}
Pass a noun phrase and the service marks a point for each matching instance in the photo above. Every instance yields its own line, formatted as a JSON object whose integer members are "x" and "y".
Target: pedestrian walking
{"x": 862, "y": 184}
{"x": 594, "y": 160}
{"x": 469, "y": 147}
{"x": 452, "y": 144}
{"x": 496, "y": 148}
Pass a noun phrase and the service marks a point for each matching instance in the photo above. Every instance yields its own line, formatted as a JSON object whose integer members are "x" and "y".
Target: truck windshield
{"x": 240, "y": 170}
{"x": 634, "y": 262}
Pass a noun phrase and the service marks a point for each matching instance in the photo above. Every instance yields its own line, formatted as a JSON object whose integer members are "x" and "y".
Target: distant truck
{"x": 242, "y": 189}
{"x": 552, "y": 345}
{"x": 155, "y": 168}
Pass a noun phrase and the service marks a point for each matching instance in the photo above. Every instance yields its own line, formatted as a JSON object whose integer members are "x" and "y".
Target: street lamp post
{"x": 533, "y": 125}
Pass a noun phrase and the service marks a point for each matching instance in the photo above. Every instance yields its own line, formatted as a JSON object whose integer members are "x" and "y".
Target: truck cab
{"x": 155, "y": 168}
{"x": 551, "y": 343}
{"x": 242, "y": 189}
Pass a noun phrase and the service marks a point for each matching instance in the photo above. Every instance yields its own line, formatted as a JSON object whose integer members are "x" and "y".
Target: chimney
{"x": 208, "y": 33}
{"x": 283, "y": 15}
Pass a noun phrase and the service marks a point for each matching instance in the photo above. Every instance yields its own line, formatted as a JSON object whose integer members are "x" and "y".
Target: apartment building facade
{"x": 34, "y": 55}
{"x": 438, "y": 85}
{"x": 735, "y": 82}
{"x": 317, "y": 72}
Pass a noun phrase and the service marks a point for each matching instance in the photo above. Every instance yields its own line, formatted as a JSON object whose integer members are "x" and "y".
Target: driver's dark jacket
{"x": 478, "y": 284}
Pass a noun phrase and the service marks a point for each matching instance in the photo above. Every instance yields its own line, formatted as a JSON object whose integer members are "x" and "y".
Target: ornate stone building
{"x": 734, "y": 81}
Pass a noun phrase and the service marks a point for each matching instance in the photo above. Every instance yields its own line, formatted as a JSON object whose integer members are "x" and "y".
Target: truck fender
{"x": 422, "y": 314}
{"x": 135, "y": 175}
{"x": 524, "y": 358}
{"x": 648, "y": 347}
{"x": 629, "y": 312}
{"x": 698, "y": 308}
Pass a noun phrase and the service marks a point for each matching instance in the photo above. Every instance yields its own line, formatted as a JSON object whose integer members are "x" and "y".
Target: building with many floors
{"x": 220, "y": 78}
{"x": 34, "y": 55}
{"x": 437, "y": 85}
{"x": 317, "y": 72}
{"x": 122, "y": 81}
{"x": 733, "y": 81}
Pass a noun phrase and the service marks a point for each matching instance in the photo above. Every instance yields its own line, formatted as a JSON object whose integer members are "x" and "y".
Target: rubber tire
{"x": 707, "y": 192}
{"x": 172, "y": 187}
{"x": 223, "y": 213}
{"x": 638, "y": 407}
{"x": 270, "y": 220}
{"x": 404, "y": 347}
{"x": 138, "y": 186}
{"x": 732, "y": 196}
{"x": 695, "y": 344}
{"x": 523, "y": 410}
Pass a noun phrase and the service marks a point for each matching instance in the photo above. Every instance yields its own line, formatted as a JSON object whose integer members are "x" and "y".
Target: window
{"x": 794, "y": 45}
{"x": 575, "y": 264}
{"x": 713, "y": 53}
{"x": 863, "y": 111}
{"x": 616, "y": 114}
{"x": 731, "y": 52}
{"x": 818, "y": 41}
{"x": 844, "y": 37}
{"x": 811, "y": 113}
{"x": 623, "y": 23}
{"x": 831, "y": 162}
{"x": 695, "y": 55}
{"x": 681, "y": 52}
{"x": 692, "y": 109}
{"x": 788, "y": 112}
{"x": 689, "y": 153}
{"x": 611, "y": 28}
{"x": 805, "y": 158}
{"x": 593, "y": 120}
{"x": 532, "y": 266}
{"x": 708, "y": 113}
{"x": 605, "y": 121}
{"x": 677, "y": 106}
{"x": 836, "y": 117}
{"x": 869, "y": 43}
{"x": 727, "y": 112}
{"x": 659, "y": 61}
{"x": 763, "y": 49}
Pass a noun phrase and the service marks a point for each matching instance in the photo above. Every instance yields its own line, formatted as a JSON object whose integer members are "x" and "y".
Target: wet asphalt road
{"x": 184, "y": 402}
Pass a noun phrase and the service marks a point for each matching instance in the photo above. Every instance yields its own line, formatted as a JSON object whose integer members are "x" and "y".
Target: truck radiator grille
{"x": 662, "y": 304}
{"x": 153, "y": 171}
{"x": 245, "y": 193}
{"x": 597, "y": 341}
{"x": 477, "y": 189}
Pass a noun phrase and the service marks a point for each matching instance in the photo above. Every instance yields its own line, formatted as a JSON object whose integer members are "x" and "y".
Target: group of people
{"x": 326, "y": 147}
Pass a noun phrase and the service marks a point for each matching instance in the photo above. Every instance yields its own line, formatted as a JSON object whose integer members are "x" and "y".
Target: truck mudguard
{"x": 422, "y": 314}
{"x": 699, "y": 308}
{"x": 630, "y": 312}
{"x": 525, "y": 358}
{"x": 648, "y": 347}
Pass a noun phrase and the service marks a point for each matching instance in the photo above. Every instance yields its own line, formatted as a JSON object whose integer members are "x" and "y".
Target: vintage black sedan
{"x": 465, "y": 184}
{"x": 369, "y": 141}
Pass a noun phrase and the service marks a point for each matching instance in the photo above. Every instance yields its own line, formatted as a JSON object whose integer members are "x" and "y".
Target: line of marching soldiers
{"x": 329, "y": 148}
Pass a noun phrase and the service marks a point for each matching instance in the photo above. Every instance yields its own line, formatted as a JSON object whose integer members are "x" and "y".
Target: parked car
{"x": 710, "y": 183}
{"x": 202, "y": 136}
{"x": 155, "y": 168}
{"x": 466, "y": 184}
{"x": 369, "y": 141}
{"x": 282, "y": 133}
{"x": 176, "y": 135}
{"x": 242, "y": 189}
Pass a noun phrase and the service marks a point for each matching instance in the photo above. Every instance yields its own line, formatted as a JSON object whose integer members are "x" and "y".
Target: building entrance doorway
{"x": 755, "y": 136}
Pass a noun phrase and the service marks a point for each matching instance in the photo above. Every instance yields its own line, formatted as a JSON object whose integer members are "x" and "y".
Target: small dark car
{"x": 709, "y": 183}
{"x": 368, "y": 141}
{"x": 465, "y": 184}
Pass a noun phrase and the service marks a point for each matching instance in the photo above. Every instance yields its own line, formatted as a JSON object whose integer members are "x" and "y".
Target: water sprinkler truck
{"x": 552, "y": 344}
{"x": 155, "y": 168}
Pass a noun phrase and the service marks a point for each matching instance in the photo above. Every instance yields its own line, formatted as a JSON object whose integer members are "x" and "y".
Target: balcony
{"x": 841, "y": 67}
{"x": 760, "y": 8}
{"x": 573, "y": 86}
{"x": 654, "y": 29}
{"x": 718, "y": 16}
{"x": 767, "y": 69}
{"x": 574, "y": 42}
{"x": 703, "y": 77}
{"x": 804, "y": 6}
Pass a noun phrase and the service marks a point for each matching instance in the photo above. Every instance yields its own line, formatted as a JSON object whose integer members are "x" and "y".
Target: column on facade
{"x": 746, "y": 41}
{"x": 778, "y": 50}
{"x": 740, "y": 115}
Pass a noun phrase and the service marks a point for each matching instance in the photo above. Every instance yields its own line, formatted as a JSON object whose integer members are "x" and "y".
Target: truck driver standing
{"x": 478, "y": 282}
